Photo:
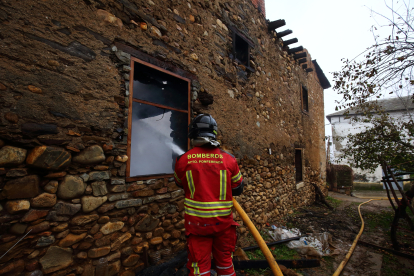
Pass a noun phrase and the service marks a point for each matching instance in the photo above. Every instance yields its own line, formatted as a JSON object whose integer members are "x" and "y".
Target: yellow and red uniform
{"x": 208, "y": 175}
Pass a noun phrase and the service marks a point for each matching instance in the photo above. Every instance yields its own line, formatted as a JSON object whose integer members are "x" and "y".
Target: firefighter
{"x": 209, "y": 177}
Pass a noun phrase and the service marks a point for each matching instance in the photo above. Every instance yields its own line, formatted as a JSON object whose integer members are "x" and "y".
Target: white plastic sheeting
{"x": 316, "y": 244}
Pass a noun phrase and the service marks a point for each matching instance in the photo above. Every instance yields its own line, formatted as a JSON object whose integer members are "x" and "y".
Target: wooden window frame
{"x": 303, "y": 164}
{"x": 306, "y": 111}
{"x": 131, "y": 100}
{"x": 249, "y": 42}
{"x": 234, "y": 49}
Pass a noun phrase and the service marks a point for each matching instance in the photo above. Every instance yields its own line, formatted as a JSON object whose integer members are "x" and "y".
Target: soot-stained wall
{"x": 64, "y": 98}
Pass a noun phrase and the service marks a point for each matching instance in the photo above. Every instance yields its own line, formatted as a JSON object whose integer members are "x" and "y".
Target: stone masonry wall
{"x": 64, "y": 97}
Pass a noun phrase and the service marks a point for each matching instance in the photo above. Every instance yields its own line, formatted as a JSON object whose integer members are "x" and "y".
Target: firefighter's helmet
{"x": 203, "y": 126}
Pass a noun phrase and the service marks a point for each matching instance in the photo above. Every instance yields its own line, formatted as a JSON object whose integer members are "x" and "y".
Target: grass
{"x": 280, "y": 252}
{"x": 289, "y": 222}
{"x": 265, "y": 235}
{"x": 257, "y": 272}
{"x": 329, "y": 260}
{"x": 381, "y": 220}
{"x": 290, "y": 225}
{"x": 256, "y": 255}
{"x": 250, "y": 238}
{"x": 387, "y": 265}
{"x": 333, "y": 201}
{"x": 392, "y": 267}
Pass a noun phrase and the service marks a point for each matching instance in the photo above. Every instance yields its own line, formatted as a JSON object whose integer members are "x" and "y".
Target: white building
{"x": 399, "y": 108}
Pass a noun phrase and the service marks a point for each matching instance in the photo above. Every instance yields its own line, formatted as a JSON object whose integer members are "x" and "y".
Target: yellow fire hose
{"x": 269, "y": 257}
{"x": 262, "y": 244}
{"x": 376, "y": 198}
{"x": 351, "y": 250}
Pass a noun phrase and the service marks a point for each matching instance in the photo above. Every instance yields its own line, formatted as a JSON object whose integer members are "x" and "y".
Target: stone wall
{"x": 339, "y": 177}
{"x": 64, "y": 98}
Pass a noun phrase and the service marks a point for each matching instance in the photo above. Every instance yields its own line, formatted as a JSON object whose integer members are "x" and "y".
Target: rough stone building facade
{"x": 95, "y": 99}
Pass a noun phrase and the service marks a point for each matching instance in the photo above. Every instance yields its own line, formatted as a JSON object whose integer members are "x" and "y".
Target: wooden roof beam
{"x": 276, "y": 24}
{"x": 284, "y": 33}
{"x": 290, "y": 41}
{"x": 303, "y": 60}
{"x": 294, "y": 50}
{"x": 300, "y": 55}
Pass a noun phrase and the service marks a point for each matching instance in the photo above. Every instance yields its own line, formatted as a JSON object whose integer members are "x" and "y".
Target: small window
{"x": 158, "y": 120}
{"x": 241, "y": 50}
{"x": 305, "y": 105}
{"x": 298, "y": 165}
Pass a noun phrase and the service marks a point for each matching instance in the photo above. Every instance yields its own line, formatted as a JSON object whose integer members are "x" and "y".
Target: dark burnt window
{"x": 241, "y": 50}
{"x": 158, "y": 120}
{"x": 305, "y": 102}
{"x": 298, "y": 165}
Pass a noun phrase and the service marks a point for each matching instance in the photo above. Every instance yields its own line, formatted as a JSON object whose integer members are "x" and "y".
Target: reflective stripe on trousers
{"x": 196, "y": 269}
{"x": 221, "y": 267}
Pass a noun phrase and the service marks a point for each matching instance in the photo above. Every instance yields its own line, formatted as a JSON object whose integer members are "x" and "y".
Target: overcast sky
{"x": 330, "y": 30}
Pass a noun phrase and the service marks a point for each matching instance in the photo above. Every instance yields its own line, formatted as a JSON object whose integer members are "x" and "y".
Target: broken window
{"x": 298, "y": 165}
{"x": 241, "y": 50}
{"x": 305, "y": 105}
{"x": 158, "y": 120}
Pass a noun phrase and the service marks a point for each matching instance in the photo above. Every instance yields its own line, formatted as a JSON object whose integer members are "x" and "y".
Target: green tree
{"x": 382, "y": 137}
{"x": 384, "y": 68}
{"x": 384, "y": 140}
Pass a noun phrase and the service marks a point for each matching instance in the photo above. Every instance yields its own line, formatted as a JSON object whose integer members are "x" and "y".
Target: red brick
{"x": 256, "y": 3}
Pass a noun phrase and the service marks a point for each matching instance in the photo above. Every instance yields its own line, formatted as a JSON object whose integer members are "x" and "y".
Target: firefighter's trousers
{"x": 221, "y": 244}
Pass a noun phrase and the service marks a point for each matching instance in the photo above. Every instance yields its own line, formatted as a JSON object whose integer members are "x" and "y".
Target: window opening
{"x": 158, "y": 120}
{"x": 298, "y": 165}
{"x": 305, "y": 105}
{"x": 241, "y": 50}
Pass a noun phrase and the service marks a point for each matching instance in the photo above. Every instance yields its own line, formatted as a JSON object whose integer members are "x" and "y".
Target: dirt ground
{"x": 343, "y": 224}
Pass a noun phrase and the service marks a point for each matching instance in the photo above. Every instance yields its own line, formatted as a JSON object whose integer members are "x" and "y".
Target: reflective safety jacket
{"x": 207, "y": 176}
